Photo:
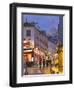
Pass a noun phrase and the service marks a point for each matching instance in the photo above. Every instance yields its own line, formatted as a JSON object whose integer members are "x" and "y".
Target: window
{"x": 28, "y": 33}
{"x": 29, "y": 39}
{"x": 24, "y": 39}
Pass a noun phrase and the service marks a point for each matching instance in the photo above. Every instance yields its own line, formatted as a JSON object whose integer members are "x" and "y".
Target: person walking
{"x": 43, "y": 63}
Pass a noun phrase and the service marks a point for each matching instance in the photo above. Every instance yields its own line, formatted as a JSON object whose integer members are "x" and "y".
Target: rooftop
{"x": 29, "y": 24}
{"x": 33, "y": 24}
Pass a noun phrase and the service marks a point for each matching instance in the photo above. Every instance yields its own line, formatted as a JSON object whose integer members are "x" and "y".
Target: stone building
{"x": 35, "y": 43}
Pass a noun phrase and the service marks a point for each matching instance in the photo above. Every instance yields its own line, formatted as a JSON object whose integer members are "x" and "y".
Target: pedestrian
{"x": 47, "y": 63}
{"x": 40, "y": 63}
{"x": 43, "y": 63}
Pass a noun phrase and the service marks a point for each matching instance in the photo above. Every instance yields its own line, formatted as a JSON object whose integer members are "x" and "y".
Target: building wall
{"x": 52, "y": 47}
{"x": 41, "y": 41}
{"x": 29, "y": 38}
{"x": 60, "y": 30}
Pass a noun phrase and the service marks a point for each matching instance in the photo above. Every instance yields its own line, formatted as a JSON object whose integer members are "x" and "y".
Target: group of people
{"x": 55, "y": 65}
{"x": 44, "y": 63}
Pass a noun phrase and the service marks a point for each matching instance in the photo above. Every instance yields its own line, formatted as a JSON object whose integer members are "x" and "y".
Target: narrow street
{"x": 36, "y": 70}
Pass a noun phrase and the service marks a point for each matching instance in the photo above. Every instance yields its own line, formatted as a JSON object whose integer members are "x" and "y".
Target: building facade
{"x": 35, "y": 43}
{"x": 60, "y": 30}
{"x": 52, "y": 47}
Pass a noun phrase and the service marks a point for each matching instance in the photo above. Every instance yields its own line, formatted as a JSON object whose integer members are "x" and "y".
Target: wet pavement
{"x": 37, "y": 70}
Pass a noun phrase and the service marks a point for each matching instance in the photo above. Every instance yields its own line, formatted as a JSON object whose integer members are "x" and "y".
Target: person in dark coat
{"x": 40, "y": 63}
{"x": 43, "y": 63}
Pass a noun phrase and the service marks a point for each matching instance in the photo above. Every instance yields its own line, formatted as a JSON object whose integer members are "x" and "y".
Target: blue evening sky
{"x": 48, "y": 23}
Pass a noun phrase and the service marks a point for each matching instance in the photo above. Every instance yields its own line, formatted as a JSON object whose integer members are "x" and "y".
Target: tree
{"x": 60, "y": 58}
